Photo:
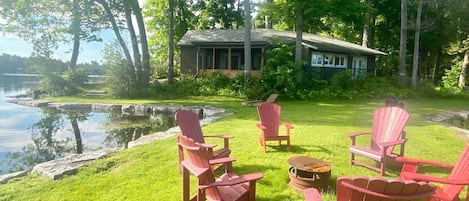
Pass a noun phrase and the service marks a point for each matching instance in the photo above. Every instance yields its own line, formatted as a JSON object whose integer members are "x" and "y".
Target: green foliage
{"x": 280, "y": 74}
{"x": 119, "y": 80}
{"x": 77, "y": 77}
{"x": 449, "y": 82}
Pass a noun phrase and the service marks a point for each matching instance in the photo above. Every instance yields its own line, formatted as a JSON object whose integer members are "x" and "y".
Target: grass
{"x": 150, "y": 172}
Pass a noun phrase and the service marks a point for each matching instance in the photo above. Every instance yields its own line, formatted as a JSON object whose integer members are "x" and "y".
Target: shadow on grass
{"x": 295, "y": 149}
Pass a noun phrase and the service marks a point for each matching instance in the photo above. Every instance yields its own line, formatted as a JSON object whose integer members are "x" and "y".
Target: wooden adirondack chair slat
{"x": 376, "y": 189}
{"x": 269, "y": 116}
{"x": 452, "y": 185}
{"x": 228, "y": 187}
{"x": 189, "y": 124}
{"x": 387, "y": 132}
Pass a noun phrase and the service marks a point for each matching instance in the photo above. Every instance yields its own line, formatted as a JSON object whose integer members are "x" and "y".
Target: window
{"x": 328, "y": 60}
{"x": 341, "y": 60}
{"x": 359, "y": 65}
{"x": 321, "y": 59}
{"x": 221, "y": 59}
{"x": 316, "y": 59}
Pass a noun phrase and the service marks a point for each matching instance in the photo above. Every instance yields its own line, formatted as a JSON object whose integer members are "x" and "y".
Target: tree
{"x": 64, "y": 21}
{"x": 156, "y": 11}
{"x": 457, "y": 11}
{"x": 247, "y": 40}
{"x": 403, "y": 45}
{"x": 217, "y": 14}
{"x": 139, "y": 66}
{"x": 415, "y": 64}
{"x": 171, "y": 42}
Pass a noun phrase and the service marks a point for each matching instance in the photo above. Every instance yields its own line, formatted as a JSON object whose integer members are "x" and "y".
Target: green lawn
{"x": 150, "y": 172}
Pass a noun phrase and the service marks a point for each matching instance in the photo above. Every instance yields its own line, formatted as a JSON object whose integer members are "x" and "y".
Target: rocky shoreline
{"x": 69, "y": 165}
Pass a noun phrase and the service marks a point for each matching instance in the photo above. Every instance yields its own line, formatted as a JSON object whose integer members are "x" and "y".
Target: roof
{"x": 264, "y": 36}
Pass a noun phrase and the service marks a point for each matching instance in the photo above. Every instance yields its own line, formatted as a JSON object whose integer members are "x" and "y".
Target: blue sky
{"x": 13, "y": 45}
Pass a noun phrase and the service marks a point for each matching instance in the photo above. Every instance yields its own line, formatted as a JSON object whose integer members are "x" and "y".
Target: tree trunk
{"x": 403, "y": 44}
{"x": 171, "y": 42}
{"x": 115, "y": 28}
{"x": 415, "y": 62}
{"x": 299, "y": 33}
{"x": 462, "y": 76}
{"x": 76, "y": 15}
{"x": 143, "y": 43}
{"x": 76, "y": 132}
{"x": 368, "y": 29}
{"x": 134, "y": 42}
{"x": 435, "y": 67}
{"x": 247, "y": 40}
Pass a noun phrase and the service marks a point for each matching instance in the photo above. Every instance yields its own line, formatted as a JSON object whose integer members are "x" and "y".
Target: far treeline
{"x": 16, "y": 64}
{"x": 427, "y": 44}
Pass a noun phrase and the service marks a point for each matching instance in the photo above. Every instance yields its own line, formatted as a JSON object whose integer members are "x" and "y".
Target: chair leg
{"x": 382, "y": 168}
{"x": 352, "y": 158}
{"x": 288, "y": 145}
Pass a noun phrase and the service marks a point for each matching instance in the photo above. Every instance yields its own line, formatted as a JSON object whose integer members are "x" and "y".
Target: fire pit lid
{"x": 301, "y": 162}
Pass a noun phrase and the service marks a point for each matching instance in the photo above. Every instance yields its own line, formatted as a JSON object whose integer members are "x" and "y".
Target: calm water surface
{"x": 30, "y": 135}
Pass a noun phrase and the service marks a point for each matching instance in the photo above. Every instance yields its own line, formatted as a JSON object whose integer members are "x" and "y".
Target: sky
{"x": 13, "y": 45}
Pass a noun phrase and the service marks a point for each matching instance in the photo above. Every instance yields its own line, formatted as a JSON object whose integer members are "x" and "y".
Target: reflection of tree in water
{"x": 126, "y": 128}
{"x": 46, "y": 146}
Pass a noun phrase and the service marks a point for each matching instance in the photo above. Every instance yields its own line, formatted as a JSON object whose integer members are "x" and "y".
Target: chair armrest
{"x": 385, "y": 145}
{"x": 260, "y": 126}
{"x": 287, "y": 125}
{"x": 312, "y": 194}
{"x": 220, "y": 136}
{"x": 196, "y": 171}
{"x": 423, "y": 161}
{"x": 208, "y": 146}
{"x": 428, "y": 178}
{"x": 221, "y": 160}
{"x": 354, "y": 134}
{"x": 234, "y": 181}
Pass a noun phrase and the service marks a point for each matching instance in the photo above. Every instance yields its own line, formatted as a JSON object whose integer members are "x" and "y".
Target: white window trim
{"x": 318, "y": 54}
{"x": 345, "y": 60}
{"x": 331, "y": 56}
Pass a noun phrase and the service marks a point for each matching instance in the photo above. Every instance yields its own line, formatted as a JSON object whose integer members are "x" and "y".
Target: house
{"x": 222, "y": 51}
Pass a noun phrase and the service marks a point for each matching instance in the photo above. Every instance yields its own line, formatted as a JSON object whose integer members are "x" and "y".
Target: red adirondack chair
{"x": 452, "y": 185}
{"x": 376, "y": 189}
{"x": 228, "y": 187}
{"x": 269, "y": 115}
{"x": 387, "y": 132}
{"x": 189, "y": 124}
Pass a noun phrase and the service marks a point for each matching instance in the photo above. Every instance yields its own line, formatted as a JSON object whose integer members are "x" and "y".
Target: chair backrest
{"x": 459, "y": 172}
{"x": 271, "y": 98}
{"x": 269, "y": 115}
{"x": 388, "y": 125}
{"x": 371, "y": 189}
{"x": 190, "y": 126}
{"x": 198, "y": 158}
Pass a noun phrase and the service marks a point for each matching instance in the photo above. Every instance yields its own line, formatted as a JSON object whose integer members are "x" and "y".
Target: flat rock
{"x": 68, "y": 165}
{"x": 4, "y": 178}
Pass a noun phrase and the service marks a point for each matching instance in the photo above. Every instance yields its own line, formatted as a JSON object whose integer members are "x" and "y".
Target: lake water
{"x": 30, "y": 135}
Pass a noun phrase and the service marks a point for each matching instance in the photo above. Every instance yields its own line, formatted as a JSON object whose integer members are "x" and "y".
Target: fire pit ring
{"x": 306, "y": 172}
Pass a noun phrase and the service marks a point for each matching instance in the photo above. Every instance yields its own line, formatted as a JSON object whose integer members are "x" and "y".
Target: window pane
{"x": 221, "y": 59}
{"x": 316, "y": 59}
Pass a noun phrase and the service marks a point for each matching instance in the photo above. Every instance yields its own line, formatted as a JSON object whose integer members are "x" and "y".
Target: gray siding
{"x": 189, "y": 60}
